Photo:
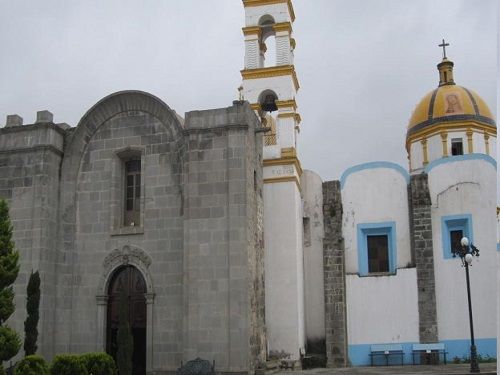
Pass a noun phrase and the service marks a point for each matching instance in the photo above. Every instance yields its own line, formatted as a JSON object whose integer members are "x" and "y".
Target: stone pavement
{"x": 462, "y": 369}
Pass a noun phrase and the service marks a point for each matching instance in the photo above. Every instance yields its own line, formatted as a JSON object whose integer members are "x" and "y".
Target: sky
{"x": 362, "y": 65}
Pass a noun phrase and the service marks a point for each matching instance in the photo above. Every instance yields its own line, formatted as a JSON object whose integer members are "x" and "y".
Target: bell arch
{"x": 119, "y": 258}
{"x": 268, "y": 51}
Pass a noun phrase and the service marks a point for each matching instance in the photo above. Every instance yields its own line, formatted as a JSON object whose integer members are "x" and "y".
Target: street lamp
{"x": 466, "y": 253}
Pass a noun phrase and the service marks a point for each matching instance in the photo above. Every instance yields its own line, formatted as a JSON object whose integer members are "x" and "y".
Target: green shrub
{"x": 68, "y": 364}
{"x": 99, "y": 363}
{"x": 9, "y": 268}
{"x": 32, "y": 365}
{"x": 9, "y": 343}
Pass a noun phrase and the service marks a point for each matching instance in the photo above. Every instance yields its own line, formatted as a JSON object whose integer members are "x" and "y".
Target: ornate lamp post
{"x": 466, "y": 253}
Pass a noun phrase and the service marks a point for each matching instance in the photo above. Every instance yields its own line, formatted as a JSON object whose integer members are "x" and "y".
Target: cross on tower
{"x": 444, "y": 45}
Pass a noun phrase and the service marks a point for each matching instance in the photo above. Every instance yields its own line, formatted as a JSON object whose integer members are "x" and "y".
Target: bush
{"x": 68, "y": 364}
{"x": 32, "y": 365}
{"x": 99, "y": 363}
{"x": 9, "y": 343}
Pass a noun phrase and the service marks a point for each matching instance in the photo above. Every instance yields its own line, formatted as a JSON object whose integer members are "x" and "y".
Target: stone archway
{"x": 128, "y": 282}
{"x": 128, "y": 255}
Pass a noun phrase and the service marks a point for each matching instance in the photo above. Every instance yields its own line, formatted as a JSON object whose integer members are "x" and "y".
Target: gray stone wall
{"x": 198, "y": 244}
{"x": 421, "y": 223}
{"x": 222, "y": 259}
{"x": 30, "y": 156}
{"x": 334, "y": 275}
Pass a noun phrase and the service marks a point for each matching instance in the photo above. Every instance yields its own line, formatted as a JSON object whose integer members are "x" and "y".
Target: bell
{"x": 269, "y": 104}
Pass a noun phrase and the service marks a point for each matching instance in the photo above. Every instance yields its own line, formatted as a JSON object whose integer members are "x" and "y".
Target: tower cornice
{"x": 272, "y": 71}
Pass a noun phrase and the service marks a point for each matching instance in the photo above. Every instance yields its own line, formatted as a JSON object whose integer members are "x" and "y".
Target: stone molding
{"x": 127, "y": 255}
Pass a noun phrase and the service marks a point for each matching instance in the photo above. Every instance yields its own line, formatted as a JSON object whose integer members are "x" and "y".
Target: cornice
{"x": 283, "y": 26}
{"x": 288, "y": 157}
{"x": 272, "y": 71}
{"x": 252, "y": 30}
{"x": 287, "y": 103}
{"x": 448, "y": 127}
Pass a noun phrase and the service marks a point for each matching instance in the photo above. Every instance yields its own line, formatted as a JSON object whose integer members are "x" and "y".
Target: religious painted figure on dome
{"x": 453, "y": 103}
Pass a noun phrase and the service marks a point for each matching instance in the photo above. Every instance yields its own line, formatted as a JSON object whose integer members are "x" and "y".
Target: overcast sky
{"x": 362, "y": 65}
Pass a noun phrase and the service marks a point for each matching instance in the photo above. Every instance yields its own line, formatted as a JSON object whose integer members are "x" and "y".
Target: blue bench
{"x": 429, "y": 352}
{"x": 386, "y": 351}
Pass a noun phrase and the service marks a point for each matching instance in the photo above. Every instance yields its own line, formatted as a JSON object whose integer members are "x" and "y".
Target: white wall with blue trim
{"x": 381, "y": 308}
{"x": 463, "y": 197}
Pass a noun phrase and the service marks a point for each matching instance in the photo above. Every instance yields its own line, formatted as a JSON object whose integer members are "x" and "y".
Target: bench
{"x": 386, "y": 351}
{"x": 429, "y": 352}
{"x": 197, "y": 366}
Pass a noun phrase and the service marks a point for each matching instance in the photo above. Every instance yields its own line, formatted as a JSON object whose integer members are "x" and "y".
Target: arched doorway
{"x": 128, "y": 279}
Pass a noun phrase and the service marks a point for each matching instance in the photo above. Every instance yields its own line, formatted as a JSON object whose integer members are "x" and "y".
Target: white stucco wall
{"x": 278, "y": 11}
{"x": 312, "y": 192}
{"x": 435, "y": 147}
{"x": 374, "y": 195}
{"x": 382, "y": 309}
{"x": 466, "y": 186}
{"x": 284, "y": 268}
{"x": 283, "y": 87}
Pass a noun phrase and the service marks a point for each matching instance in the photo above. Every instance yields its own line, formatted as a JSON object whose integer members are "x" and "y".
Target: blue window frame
{"x": 453, "y": 228}
{"x": 377, "y": 248}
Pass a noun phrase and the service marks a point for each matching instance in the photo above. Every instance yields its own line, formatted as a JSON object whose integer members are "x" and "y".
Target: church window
{"x": 453, "y": 228}
{"x": 377, "y": 248}
{"x": 457, "y": 147}
{"x": 132, "y": 192}
{"x": 378, "y": 253}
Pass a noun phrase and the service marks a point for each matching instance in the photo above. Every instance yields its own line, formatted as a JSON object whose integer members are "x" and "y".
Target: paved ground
{"x": 486, "y": 368}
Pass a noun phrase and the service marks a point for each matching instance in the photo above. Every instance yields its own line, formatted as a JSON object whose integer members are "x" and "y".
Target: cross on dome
{"x": 444, "y": 45}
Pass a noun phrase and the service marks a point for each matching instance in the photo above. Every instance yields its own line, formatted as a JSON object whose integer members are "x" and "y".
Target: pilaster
{"x": 334, "y": 276}
{"x": 422, "y": 245}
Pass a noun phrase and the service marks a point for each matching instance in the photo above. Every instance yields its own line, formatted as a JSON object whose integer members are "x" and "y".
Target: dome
{"x": 449, "y": 106}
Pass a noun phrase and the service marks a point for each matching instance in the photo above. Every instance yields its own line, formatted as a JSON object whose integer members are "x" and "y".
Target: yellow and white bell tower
{"x": 270, "y": 85}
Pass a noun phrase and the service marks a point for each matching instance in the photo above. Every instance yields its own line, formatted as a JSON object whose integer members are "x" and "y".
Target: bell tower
{"x": 270, "y": 85}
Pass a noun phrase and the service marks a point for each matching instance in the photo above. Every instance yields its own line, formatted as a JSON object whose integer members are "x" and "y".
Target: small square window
{"x": 376, "y": 248}
{"x": 457, "y": 146}
{"x": 453, "y": 229}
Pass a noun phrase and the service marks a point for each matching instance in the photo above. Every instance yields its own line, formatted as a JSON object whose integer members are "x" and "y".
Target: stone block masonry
{"x": 198, "y": 243}
{"x": 422, "y": 246}
{"x": 334, "y": 274}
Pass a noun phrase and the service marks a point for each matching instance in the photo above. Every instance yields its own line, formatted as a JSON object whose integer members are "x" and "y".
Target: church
{"x": 227, "y": 249}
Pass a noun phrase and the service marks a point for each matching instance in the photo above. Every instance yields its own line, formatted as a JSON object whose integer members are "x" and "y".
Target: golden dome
{"x": 449, "y": 104}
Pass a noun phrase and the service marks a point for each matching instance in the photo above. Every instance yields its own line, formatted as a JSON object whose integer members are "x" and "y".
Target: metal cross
{"x": 444, "y": 45}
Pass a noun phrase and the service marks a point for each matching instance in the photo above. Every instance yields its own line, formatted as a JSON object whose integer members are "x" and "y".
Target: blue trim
{"x": 386, "y": 228}
{"x": 461, "y": 348}
{"x": 451, "y": 159}
{"x": 373, "y": 165}
{"x": 455, "y": 222}
{"x": 498, "y": 246}
{"x": 359, "y": 355}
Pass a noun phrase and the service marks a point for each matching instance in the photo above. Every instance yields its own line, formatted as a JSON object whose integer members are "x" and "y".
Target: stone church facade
{"x": 195, "y": 236}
